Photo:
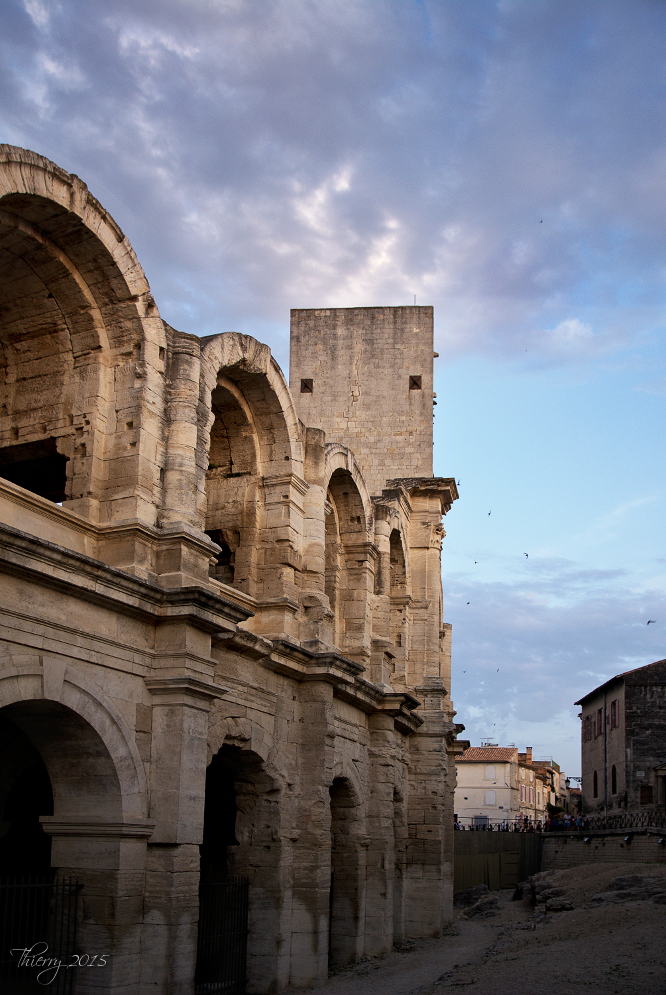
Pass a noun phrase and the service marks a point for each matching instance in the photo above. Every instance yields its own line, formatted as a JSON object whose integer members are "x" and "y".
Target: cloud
{"x": 524, "y": 651}
{"x": 364, "y": 152}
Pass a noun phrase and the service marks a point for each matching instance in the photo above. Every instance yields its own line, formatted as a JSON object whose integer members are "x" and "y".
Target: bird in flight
{"x": 468, "y": 602}
{"x": 526, "y": 556}
{"x": 651, "y": 620}
{"x": 489, "y": 513}
{"x": 458, "y": 483}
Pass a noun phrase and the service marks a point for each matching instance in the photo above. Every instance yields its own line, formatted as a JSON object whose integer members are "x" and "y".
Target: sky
{"x": 501, "y": 160}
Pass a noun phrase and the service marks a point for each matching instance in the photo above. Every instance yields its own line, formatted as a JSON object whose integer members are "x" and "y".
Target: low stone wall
{"x": 560, "y": 851}
{"x": 498, "y": 860}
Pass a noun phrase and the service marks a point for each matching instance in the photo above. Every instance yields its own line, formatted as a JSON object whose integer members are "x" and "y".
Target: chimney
{"x": 528, "y": 754}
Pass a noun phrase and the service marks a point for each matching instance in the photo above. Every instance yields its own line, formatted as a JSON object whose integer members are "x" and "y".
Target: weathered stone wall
{"x": 559, "y": 852}
{"x": 219, "y": 653}
{"x": 372, "y": 385}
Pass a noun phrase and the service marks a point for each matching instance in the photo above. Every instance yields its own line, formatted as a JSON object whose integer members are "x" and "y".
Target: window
{"x": 490, "y": 797}
{"x": 600, "y": 721}
{"x": 522, "y": 792}
{"x": 489, "y": 774}
{"x": 588, "y": 731}
{"x": 522, "y": 773}
{"x": 615, "y": 714}
{"x": 595, "y": 785}
{"x": 646, "y": 794}
{"x": 415, "y": 383}
{"x": 613, "y": 780}
{"x": 307, "y": 386}
{"x": 531, "y": 775}
{"x": 531, "y": 796}
{"x": 538, "y": 799}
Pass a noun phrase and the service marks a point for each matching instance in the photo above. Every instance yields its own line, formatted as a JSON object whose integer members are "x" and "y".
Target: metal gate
{"x": 37, "y": 919}
{"x": 222, "y": 939}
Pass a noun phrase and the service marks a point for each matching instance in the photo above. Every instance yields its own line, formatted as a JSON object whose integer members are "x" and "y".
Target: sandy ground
{"x": 595, "y": 931}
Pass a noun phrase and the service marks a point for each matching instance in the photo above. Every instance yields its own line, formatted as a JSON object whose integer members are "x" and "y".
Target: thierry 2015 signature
{"x": 36, "y": 956}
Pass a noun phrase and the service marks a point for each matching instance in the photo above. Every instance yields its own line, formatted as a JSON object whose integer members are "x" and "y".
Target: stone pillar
{"x": 279, "y": 569}
{"x": 109, "y": 859}
{"x": 312, "y": 848}
{"x": 429, "y": 870}
{"x": 180, "y": 483}
{"x": 380, "y": 855}
{"x": 360, "y": 559}
{"x": 178, "y": 783}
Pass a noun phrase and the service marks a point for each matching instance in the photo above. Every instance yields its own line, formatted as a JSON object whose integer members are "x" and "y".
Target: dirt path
{"x": 572, "y": 943}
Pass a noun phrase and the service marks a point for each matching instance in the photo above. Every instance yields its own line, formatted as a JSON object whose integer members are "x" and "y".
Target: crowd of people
{"x": 523, "y": 824}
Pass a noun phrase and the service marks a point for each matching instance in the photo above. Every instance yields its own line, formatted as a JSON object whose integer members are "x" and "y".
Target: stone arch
{"x": 99, "y": 722}
{"x": 349, "y": 555}
{"x": 242, "y": 837}
{"x": 248, "y": 364}
{"x": 97, "y": 827}
{"x": 74, "y": 302}
{"x": 338, "y": 457}
{"x": 248, "y": 438}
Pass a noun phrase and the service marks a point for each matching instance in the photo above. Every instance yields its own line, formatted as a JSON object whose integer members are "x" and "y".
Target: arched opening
{"x": 346, "y": 586}
{"x": 61, "y": 808}
{"x": 399, "y": 603}
{"x": 25, "y": 795}
{"x": 44, "y": 311}
{"x": 68, "y": 321}
{"x": 346, "y": 911}
{"x": 398, "y": 570}
{"x": 241, "y": 840}
{"x": 233, "y": 465}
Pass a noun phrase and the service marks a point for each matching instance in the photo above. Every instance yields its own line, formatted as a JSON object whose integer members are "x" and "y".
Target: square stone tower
{"x": 365, "y": 376}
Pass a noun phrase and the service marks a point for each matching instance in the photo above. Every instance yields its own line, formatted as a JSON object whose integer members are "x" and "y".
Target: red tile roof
{"x": 488, "y": 754}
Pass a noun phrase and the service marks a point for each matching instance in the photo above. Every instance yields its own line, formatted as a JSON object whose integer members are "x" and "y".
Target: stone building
{"x": 500, "y": 784}
{"x": 623, "y": 742}
{"x": 487, "y": 785}
{"x": 223, "y": 648}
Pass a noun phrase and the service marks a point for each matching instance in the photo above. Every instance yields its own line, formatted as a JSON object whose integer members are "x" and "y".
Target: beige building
{"x": 487, "y": 785}
{"x": 499, "y": 784}
{"x": 223, "y": 647}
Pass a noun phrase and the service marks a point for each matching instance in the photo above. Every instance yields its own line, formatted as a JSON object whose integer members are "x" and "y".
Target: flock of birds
{"x": 650, "y": 621}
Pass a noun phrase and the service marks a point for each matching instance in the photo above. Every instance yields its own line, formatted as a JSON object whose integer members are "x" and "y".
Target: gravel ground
{"x": 595, "y": 931}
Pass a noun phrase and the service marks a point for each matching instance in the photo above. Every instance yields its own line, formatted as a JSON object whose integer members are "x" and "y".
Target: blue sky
{"x": 502, "y": 160}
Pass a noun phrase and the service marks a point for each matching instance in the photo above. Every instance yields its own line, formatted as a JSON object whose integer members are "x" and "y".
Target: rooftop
{"x": 488, "y": 754}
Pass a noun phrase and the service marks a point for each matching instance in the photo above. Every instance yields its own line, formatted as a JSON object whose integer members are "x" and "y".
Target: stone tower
{"x": 365, "y": 376}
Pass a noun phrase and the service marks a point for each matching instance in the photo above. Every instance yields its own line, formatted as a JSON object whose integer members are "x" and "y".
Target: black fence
{"x": 222, "y": 939}
{"x": 37, "y": 933}
{"x": 623, "y": 820}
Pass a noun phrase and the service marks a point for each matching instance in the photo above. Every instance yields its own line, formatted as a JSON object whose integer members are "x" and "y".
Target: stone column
{"x": 380, "y": 855}
{"x": 178, "y": 783}
{"x": 180, "y": 483}
{"x": 312, "y": 848}
{"x": 360, "y": 559}
{"x": 429, "y": 870}
{"x": 109, "y": 859}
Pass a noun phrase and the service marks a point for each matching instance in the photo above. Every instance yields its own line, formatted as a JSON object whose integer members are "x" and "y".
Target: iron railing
{"x": 37, "y": 919}
{"x": 625, "y": 820}
{"x": 222, "y": 937}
